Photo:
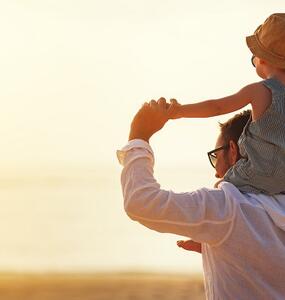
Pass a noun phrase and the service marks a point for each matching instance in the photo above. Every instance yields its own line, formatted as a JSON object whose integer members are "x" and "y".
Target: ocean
{"x": 62, "y": 220}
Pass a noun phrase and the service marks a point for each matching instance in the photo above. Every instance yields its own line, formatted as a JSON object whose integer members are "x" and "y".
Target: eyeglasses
{"x": 252, "y": 60}
{"x": 212, "y": 155}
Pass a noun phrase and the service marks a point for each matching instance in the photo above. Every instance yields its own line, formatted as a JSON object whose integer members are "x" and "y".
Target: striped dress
{"x": 262, "y": 147}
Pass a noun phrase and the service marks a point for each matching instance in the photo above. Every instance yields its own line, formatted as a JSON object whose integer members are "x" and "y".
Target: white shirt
{"x": 242, "y": 235}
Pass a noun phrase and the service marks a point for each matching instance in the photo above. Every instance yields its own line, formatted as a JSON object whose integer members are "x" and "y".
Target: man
{"x": 241, "y": 235}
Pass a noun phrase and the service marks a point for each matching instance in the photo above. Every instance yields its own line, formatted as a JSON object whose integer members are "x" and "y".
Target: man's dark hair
{"x": 232, "y": 129}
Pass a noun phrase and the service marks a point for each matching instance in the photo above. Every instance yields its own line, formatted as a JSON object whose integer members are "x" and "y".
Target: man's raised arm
{"x": 204, "y": 215}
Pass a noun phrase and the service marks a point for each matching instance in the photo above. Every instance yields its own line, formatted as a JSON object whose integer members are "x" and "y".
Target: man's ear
{"x": 234, "y": 152}
{"x": 263, "y": 62}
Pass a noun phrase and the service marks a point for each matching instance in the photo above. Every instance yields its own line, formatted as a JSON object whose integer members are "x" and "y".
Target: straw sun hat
{"x": 268, "y": 41}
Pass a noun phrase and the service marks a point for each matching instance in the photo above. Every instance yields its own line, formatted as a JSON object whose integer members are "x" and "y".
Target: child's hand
{"x": 173, "y": 109}
{"x": 190, "y": 245}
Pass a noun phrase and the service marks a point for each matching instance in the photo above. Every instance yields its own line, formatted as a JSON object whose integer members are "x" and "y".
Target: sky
{"x": 74, "y": 73}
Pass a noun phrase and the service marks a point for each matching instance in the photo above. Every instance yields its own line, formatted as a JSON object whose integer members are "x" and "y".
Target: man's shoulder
{"x": 233, "y": 193}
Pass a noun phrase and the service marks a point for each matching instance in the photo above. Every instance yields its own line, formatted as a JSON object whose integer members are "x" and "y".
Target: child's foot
{"x": 190, "y": 245}
{"x": 216, "y": 186}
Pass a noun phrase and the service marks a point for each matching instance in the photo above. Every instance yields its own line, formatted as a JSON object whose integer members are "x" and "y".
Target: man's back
{"x": 249, "y": 263}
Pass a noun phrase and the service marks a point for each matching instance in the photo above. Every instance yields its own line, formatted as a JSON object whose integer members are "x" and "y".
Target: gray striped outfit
{"x": 262, "y": 147}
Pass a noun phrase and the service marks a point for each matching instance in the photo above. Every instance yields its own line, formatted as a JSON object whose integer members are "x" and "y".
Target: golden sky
{"x": 73, "y": 73}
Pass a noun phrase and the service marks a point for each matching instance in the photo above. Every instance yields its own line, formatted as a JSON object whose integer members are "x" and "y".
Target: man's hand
{"x": 149, "y": 119}
{"x": 190, "y": 245}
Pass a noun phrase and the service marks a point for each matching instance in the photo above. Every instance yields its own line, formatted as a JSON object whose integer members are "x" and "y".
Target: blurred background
{"x": 73, "y": 74}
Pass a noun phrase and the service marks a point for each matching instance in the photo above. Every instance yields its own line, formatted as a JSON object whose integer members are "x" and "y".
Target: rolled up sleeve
{"x": 205, "y": 215}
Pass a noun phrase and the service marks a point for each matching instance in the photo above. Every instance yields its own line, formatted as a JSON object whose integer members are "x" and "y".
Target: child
{"x": 262, "y": 143}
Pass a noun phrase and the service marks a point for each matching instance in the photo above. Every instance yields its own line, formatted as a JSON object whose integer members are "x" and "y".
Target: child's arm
{"x": 215, "y": 107}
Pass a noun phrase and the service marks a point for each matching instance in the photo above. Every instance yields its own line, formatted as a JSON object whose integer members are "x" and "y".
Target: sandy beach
{"x": 118, "y": 286}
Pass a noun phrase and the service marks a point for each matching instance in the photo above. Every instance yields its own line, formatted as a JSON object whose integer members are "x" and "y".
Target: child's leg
{"x": 218, "y": 182}
{"x": 190, "y": 245}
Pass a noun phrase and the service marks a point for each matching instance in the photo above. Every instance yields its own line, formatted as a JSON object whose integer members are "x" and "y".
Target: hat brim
{"x": 258, "y": 50}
